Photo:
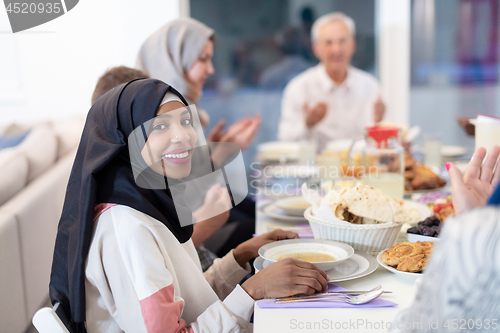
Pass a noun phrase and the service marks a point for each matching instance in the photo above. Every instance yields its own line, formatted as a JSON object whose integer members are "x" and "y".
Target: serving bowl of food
{"x": 325, "y": 254}
{"x": 363, "y": 217}
{"x": 429, "y": 229}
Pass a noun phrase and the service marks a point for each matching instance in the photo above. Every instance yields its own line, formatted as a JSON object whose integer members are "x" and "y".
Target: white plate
{"x": 439, "y": 189}
{"x": 340, "y": 251}
{"x": 293, "y": 171}
{"x": 293, "y": 206}
{"x": 424, "y": 210}
{"x": 452, "y": 151}
{"x": 395, "y": 271}
{"x": 271, "y": 210}
{"x": 438, "y": 172}
{"x": 421, "y": 238}
{"x": 359, "y": 265}
{"x": 276, "y": 151}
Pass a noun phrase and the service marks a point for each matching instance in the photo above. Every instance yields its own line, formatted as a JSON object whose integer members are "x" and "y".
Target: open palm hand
{"x": 478, "y": 183}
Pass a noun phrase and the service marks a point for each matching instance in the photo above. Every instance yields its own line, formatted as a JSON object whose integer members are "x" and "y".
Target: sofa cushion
{"x": 7, "y": 141}
{"x": 68, "y": 134}
{"x": 14, "y": 129}
{"x": 37, "y": 209}
{"x": 40, "y": 148}
{"x": 13, "y": 316}
{"x": 13, "y": 173}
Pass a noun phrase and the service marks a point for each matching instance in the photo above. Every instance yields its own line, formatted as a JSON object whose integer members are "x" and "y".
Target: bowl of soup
{"x": 294, "y": 206}
{"x": 325, "y": 254}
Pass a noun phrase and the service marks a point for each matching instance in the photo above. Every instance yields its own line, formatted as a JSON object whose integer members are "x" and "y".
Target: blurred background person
{"x": 307, "y": 20}
{"x": 243, "y": 67}
{"x": 466, "y": 125}
{"x": 293, "y": 63}
{"x": 180, "y": 53}
{"x": 113, "y": 77}
{"x": 332, "y": 100}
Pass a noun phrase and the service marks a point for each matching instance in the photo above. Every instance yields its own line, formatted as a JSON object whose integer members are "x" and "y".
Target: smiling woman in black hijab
{"x": 122, "y": 261}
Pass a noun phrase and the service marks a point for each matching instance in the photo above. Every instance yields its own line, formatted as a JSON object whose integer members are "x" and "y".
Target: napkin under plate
{"x": 336, "y": 303}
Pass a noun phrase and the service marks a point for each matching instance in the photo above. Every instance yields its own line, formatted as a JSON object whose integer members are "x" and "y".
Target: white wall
{"x": 50, "y": 71}
{"x": 393, "y": 24}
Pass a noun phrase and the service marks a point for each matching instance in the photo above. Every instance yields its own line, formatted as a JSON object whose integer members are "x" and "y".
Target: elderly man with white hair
{"x": 332, "y": 100}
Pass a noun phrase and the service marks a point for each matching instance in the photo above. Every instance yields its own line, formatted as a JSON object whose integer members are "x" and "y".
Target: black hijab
{"x": 102, "y": 173}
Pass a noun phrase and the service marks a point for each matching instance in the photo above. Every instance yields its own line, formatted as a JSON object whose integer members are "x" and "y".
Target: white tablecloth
{"x": 337, "y": 320}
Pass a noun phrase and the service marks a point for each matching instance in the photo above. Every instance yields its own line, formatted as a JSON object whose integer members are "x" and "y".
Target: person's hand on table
{"x": 285, "y": 278}
{"x": 315, "y": 114}
{"x": 250, "y": 249}
{"x": 478, "y": 183}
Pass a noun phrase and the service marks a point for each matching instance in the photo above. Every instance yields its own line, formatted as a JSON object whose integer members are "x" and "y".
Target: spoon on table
{"x": 352, "y": 299}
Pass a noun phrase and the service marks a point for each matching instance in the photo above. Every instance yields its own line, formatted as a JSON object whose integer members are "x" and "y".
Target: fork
{"x": 357, "y": 299}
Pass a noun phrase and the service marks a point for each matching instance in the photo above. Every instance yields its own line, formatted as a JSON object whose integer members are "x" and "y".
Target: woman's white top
{"x": 139, "y": 278}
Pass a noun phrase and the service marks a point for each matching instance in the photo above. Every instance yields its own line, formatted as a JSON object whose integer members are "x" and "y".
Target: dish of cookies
{"x": 406, "y": 257}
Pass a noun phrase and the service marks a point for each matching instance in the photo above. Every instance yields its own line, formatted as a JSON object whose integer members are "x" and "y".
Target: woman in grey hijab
{"x": 180, "y": 52}
{"x": 171, "y": 52}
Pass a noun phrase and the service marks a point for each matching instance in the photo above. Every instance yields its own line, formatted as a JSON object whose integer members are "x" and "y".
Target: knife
{"x": 330, "y": 293}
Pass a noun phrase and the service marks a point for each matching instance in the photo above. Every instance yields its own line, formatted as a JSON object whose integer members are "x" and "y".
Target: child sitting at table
{"x": 122, "y": 260}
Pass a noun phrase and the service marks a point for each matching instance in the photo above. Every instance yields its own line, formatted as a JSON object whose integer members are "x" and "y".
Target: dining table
{"x": 354, "y": 319}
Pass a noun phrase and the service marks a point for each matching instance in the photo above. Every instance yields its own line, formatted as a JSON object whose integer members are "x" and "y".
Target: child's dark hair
{"x": 114, "y": 77}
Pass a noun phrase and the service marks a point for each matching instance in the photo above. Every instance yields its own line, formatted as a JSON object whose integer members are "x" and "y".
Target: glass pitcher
{"x": 383, "y": 161}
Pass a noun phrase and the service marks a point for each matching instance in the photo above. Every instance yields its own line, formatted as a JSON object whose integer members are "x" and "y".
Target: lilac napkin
{"x": 376, "y": 303}
{"x": 303, "y": 230}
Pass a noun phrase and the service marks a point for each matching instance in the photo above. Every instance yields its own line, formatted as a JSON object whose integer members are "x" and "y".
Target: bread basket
{"x": 368, "y": 238}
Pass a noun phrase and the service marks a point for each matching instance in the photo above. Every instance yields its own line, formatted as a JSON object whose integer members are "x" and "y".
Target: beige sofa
{"x": 33, "y": 180}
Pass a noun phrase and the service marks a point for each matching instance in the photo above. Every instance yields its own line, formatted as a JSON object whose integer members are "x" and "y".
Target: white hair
{"x": 329, "y": 18}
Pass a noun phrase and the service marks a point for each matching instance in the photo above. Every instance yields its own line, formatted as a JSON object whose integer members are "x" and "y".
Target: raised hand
{"x": 315, "y": 114}
{"x": 242, "y": 132}
{"x": 217, "y": 132}
{"x": 478, "y": 183}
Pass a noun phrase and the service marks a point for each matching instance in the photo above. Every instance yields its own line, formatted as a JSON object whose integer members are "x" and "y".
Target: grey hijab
{"x": 171, "y": 51}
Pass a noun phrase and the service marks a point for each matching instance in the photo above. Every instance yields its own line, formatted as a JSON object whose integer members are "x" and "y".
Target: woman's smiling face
{"x": 171, "y": 140}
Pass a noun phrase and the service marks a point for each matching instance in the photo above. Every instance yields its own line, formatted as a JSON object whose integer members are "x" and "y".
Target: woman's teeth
{"x": 181, "y": 155}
